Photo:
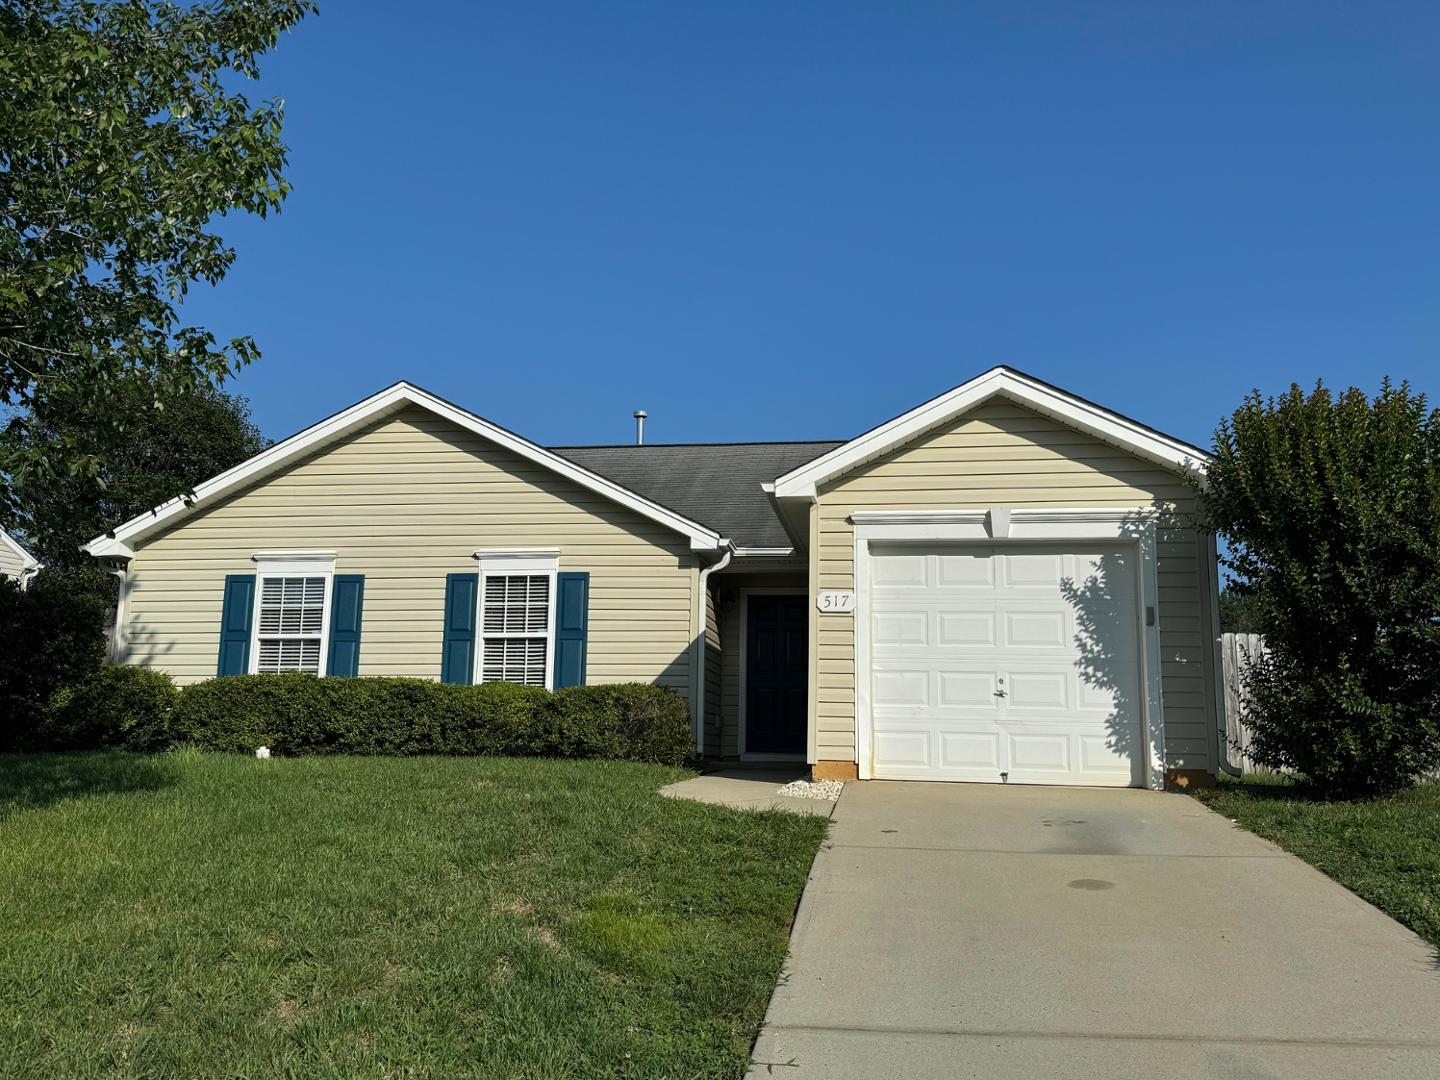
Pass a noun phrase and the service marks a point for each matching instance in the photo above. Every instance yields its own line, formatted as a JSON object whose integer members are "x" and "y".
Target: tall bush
{"x": 1330, "y": 507}
{"x": 50, "y": 638}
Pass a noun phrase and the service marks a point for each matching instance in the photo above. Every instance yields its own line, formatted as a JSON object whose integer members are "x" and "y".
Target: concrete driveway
{"x": 955, "y": 930}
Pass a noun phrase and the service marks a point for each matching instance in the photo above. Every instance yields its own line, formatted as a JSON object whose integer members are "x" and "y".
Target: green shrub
{"x": 634, "y": 721}
{"x": 1330, "y": 509}
{"x": 52, "y": 639}
{"x": 116, "y": 708}
{"x": 300, "y": 714}
{"x": 495, "y": 718}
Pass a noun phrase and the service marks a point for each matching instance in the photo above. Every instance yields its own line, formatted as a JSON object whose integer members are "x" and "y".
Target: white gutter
{"x": 700, "y": 607}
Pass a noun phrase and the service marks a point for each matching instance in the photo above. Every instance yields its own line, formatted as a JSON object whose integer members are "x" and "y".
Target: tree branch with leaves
{"x": 121, "y": 143}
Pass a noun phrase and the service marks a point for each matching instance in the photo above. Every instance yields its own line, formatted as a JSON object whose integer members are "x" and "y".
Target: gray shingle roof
{"x": 716, "y": 484}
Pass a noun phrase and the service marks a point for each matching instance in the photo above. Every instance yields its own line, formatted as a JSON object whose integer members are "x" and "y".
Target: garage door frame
{"x": 1003, "y": 525}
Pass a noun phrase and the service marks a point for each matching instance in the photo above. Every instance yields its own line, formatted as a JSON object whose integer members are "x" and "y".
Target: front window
{"x": 291, "y": 613}
{"x": 516, "y": 618}
{"x": 517, "y": 623}
{"x": 292, "y": 618}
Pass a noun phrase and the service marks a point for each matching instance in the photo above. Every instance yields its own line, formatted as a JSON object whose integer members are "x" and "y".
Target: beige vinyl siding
{"x": 405, "y": 502}
{"x": 10, "y": 562}
{"x": 1001, "y": 454}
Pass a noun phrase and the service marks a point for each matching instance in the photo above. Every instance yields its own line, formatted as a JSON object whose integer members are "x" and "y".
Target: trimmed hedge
{"x": 115, "y": 708}
{"x": 300, "y": 714}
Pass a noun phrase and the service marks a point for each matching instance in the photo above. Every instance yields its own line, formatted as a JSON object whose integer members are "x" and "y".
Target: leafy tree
{"x": 121, "y": 141}
{"x": 156, "y": 448}
{"x": 1331, "y": 508}
{"x": 1238, "y": 614}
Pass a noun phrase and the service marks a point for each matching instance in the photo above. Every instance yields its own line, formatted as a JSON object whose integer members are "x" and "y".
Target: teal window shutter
{"x": 457, "y": 656}
{"x": 572, "y": 627}
{"x": 347, "y": 604}
{"x": 235, "y": 615}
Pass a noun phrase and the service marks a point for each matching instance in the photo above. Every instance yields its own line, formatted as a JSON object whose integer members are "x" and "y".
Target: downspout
{"x": 701, "y": 603}
{"x": 120, "y": 569}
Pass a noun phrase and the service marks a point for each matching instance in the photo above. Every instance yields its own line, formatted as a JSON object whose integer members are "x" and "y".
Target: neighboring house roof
{"x": 1004, "y": 382}
{"x": 388, "y": 401}
{"x": 27, "y": 561}
{"x": 717, "y": 483}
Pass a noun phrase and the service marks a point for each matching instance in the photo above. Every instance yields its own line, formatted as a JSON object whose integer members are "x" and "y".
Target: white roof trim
{"x": 27, "y": 561}
{"x": 997, "y": 382}
{"x": 390, "y": 400}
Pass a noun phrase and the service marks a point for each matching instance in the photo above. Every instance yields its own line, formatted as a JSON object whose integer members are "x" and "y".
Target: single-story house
{"x": 15, "y": 561}
{"x": 1004, "y": 584}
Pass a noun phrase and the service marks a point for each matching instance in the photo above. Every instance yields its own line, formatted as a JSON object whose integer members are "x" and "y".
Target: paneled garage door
{"x": 1006, "y": 662}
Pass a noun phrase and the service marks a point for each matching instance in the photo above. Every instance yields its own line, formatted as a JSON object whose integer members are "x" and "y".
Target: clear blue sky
{"x": 786, "y": 220}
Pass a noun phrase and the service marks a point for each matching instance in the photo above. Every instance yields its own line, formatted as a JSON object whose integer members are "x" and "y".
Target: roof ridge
{"x": 649, "y": 446}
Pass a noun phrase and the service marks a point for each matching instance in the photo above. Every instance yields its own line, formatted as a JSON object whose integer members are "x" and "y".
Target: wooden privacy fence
{"x": 1237, "y": 650}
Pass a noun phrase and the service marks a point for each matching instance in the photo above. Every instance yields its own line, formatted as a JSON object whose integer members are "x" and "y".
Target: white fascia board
{"x": 998, "y": 382}
{"x": 390, "y": 400}
{"x": 27, "y": 561}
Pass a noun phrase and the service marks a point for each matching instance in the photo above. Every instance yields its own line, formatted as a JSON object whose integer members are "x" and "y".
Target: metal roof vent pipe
{"x": 640, "y": 415}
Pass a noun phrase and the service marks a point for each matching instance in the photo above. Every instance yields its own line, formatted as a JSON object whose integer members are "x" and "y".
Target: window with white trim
{"x": 292, "y": 613}
{"x": 517, "y": 617}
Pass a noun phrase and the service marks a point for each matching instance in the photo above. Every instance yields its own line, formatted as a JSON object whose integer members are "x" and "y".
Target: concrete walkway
{"x": 748, "y": 789}
{"x": 958, "y": 930}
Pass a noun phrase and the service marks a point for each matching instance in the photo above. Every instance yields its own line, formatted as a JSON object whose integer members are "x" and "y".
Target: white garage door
{"x": 1005, "y": 662}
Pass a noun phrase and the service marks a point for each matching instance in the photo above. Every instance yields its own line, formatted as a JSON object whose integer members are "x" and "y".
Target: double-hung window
{"x": 292, "y": 611}
{"x": 517, "y": 616}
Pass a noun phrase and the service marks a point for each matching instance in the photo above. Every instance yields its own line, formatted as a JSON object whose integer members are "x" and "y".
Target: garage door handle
{"x": 999, "y": 693}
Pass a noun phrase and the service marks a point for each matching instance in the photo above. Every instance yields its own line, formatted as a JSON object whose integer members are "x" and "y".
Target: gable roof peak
{"x": 367, "y": 411}
{"x": 1012, "y": 383}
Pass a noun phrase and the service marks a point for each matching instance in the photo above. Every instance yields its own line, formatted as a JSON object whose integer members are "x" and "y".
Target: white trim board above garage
{"x": 1001, "y": 382}
{"x": 387, "y": 402}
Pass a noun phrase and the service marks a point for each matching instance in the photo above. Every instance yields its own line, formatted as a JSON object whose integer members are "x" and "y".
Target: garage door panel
{"x": 968, "y": 690}
{"x": 898, "y": 688}
{"x": 902, "y": 628}
{"x": 903, "y": 750}
{"x": 1020, "y": 662}
{"x": 1110, "y": 573}
{"x": 972, "y": 629}
{"x": 1040, "y": 752}
{"x": 1037, "y": 629}
{"x": 1098, "y": 754}
{"x": 965, "y": 571}
{"x": 1033, "y": 570}
{"x": 1096, "y": 697}
{"x": 901, "y": 570}
{"x": 1042, "y": 691}
{"x": 971, "y": 751}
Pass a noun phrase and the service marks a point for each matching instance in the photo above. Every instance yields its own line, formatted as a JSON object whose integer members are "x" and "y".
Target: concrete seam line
{"x": 1257, "y": 1040}
{"x": 1082, "y": 854}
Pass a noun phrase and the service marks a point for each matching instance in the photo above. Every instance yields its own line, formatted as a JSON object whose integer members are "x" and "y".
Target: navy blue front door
{"x": 775, "y": 667}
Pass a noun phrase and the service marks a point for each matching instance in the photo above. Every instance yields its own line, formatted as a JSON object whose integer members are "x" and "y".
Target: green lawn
{"x": 189, "y": 915}
{"x": 1385, "y": 850}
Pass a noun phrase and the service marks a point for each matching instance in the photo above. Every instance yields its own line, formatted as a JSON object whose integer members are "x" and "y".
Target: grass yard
{"x": 190, "y": 915}
{"x": 1386, "y": 850}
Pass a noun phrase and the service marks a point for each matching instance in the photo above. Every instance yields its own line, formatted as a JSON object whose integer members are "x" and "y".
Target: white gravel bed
{"x": 813, "y": 789}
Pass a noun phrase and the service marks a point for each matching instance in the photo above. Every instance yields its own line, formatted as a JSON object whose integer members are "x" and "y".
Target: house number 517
{"x": 835, "y": 602}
